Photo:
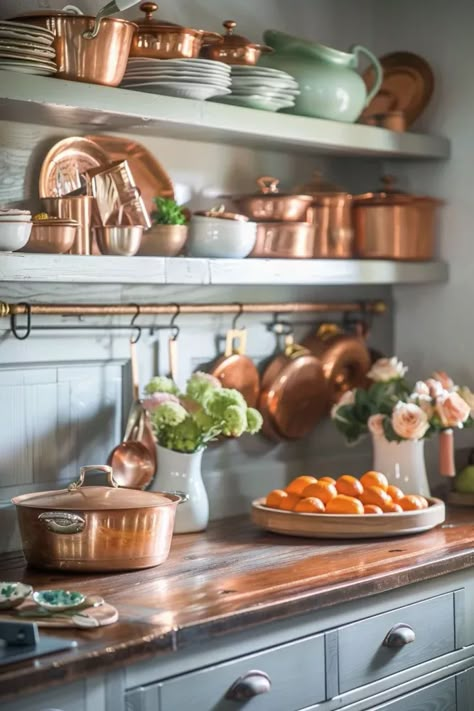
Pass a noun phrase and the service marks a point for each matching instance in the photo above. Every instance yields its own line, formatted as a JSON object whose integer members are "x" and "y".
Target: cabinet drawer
{"x": 440, "y": 696}
{"x": 296, "y": 672}
{"x": 364, "y": 658}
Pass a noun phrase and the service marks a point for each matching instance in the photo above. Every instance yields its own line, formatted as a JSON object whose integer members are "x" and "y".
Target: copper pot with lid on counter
{"x": 158, "y": 39}
{"x": 391, "y": 224}
{"x": 269, "y": 205}
{"x": 331, "y": 216}
{"x": 96, "y": 528}
{"x": 234, "y": 49}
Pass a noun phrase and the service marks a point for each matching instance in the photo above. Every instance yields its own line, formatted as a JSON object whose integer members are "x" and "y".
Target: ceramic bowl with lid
{"x": 221, "y": 234}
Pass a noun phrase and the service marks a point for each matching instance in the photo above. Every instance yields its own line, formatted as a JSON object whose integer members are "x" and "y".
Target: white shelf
{"x": 69, "y": 269}
{"x": 92, "y": 108}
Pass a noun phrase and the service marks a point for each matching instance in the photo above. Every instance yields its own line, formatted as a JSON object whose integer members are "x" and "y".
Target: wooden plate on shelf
{"x": 290, "y": 523}
{"x": 407, "y": 86}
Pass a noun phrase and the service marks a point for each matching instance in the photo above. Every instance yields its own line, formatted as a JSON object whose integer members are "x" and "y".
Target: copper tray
{"x": 65, "y": 163}
{"x": 149, "y": 175}
{"x": 407, "y": 86}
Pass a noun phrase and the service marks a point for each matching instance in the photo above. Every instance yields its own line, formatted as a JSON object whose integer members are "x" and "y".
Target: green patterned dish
{"x": 13, "y": 594}
{"x": 58, "y": 600}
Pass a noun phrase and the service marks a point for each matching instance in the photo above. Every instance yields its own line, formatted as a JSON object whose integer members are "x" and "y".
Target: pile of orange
{"x": 371, "y": 494}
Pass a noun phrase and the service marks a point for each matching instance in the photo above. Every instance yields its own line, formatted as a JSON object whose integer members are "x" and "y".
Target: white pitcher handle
{"x": 359, "y": 49}
{"x": 72, "y": 9}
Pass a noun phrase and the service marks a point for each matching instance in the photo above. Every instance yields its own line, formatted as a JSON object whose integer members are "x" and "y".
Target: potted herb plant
{"x": 169, "y": 230}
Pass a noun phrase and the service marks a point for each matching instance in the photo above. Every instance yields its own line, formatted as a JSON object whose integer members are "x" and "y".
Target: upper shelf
{"x": 60, "y": 268}
{"x": 89, "y": 107}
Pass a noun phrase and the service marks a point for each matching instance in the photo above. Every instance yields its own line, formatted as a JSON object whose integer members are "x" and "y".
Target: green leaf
{"x": 167, "y": 212}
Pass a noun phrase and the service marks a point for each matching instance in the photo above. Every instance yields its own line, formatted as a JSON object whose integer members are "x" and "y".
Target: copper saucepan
{"x": 345, "y": 359}
{"x": 235, "y": 369}
{"x": 96, "y": 528}
{"x": 269, "y": 205}
{"x": 234, "y": 49}
{"x": 293, "y": 397}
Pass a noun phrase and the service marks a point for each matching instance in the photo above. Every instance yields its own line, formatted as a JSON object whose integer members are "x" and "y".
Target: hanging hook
{"x": 173, "y": 326}
{"x": 237, "y": 316}
{"x": 14, "y": 325}
{"x": 138, "y": 330}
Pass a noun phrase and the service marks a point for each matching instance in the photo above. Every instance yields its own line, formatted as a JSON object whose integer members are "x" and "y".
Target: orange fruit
{"x": 424, "y": 502}
{"x": 275, "y": 498}
{"x": 321, "y": 490}
{"x": 372, "y": 509}
{"x": 290, "y": 502}
{"x": 342, "y": 504}
{"x": 328, "y": 479}
{"x": 309, "y": 505}
{"x": 411, "y": 502}
{"x": 298, "y": 485}
{"x": 374, "y": 479}
{"x": 349, "y": 485}
{"x": 392, "y": 507}
{"x": 395, "y": 493}
{"x": 375, "y": 495}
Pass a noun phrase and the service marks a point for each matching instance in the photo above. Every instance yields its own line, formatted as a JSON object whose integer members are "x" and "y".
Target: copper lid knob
{"x": 148, "y": 8}
{"x": 230, "y": 25}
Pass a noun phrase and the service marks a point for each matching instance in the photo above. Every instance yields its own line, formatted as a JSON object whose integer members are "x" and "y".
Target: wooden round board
{"x": 311, "y": 525}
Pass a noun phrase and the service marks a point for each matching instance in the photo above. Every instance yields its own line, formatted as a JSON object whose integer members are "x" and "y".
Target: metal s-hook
{"x": 138, "y": 330}
{"x": 236, "y": 318}
{"x": 173, "y": 326}
{"x": 14, "y": 325}
{"x": 173, "y": 345}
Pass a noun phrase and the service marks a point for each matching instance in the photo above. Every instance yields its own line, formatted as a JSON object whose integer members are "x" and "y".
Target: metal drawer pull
{"x": 399, "y": 636}
{"x": 251, "y": 684}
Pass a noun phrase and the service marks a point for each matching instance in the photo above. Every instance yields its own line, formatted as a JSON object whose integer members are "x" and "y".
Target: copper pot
{"x": 269, "y": 205}
{"x": 81, "y": 56}
{"x": 284, "y": 240}
{"x": 331, "y": 215}
{"x": 390, "y": 224}
{"x": 235, "y": 369}
{"x": 158, "y": 39}
{"x": 163, "y": 241}
{"x": 234, "y": 49}
{"x": 345, "y": 359}
{"x": 52, "y": 236}
{"x": 96, "y": 528}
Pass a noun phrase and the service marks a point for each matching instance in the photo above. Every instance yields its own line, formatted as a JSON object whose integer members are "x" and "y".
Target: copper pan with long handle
{"x": 235, "y": 369}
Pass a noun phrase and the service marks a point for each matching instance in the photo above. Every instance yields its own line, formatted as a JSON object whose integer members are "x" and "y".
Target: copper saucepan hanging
{"x": 293, "y": 395}
{"x": 235, "y": 369}
{"x": 345, "y": 359}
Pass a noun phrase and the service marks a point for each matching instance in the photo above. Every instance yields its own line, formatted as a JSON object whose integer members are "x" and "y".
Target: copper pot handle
{"x": 94, "y": 468}
{"x": 268, "y": 184}
{"x": 62, "y": 522}
{"x": 182, "y": 496}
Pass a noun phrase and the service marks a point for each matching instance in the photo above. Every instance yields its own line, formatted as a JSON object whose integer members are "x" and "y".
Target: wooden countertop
{"x": 227, "y": 579}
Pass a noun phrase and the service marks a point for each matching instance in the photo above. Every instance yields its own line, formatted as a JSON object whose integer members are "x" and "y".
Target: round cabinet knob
{"x": 251, "y": 684}
{"x": 399, "y": 636}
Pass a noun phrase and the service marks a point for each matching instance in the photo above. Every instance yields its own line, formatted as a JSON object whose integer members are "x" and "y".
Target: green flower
{"x": 254, "y": 421}
{"x": 160, "y": 384}
{"x": 216, "y": 402}
{"x": 235, "y": 421}
{"x": 200, "y": 384}
{"x": 170, "y": 414}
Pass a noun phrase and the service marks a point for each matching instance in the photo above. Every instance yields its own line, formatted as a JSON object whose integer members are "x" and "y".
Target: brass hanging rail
{"x": 368, "y": 307}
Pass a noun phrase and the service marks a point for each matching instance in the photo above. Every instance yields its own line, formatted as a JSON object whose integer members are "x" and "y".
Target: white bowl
{"x": 214, "y": 237}
{"x": 14, "y": 235}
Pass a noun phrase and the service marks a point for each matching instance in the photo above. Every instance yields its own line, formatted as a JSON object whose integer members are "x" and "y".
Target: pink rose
{"x": 375, "y": 424}
{"x": 435, "y": 388}
{"x": 421, "y": 388}
{"x": 468, "y": 396}
{"x": 453, "y": 411}
{"x": 409, "y": 421}
{"x": 386, "y": 369}
{"x": 444, "y": 379}
{"x": 153, "y": 401}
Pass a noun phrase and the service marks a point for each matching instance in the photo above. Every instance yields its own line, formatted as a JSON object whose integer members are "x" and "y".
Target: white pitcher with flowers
{"x": 400, "y": 416}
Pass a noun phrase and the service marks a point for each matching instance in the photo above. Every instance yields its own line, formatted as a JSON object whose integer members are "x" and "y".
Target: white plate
{"x": 177, "y": 73}
{"x": 262, "y": 103}
{"x": 26, "y": 68}
{"x": 31, "y": 29}
{"x": 27, "y": 49}
{"x": 259, "y": 71}
{"x": 30, "y": 59}
{"x": 274, "y": 83}
{"x": 185, "y": 91}
{"x": 266, "y": 91}
{"x": 129, "y": 81}
{"x": 14, "y": 34}
{"x": 181, "y": 63}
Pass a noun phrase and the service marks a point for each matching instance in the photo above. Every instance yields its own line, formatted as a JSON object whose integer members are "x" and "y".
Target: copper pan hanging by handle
{"x": 235, "y": 369}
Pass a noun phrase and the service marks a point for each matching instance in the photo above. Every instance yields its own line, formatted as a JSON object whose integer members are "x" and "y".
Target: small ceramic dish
{"x": 13, "y": 594}
{"x": 58, "y": 600}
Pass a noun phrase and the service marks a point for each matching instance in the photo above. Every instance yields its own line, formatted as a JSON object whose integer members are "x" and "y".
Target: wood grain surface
{"x": 230, "y": 578}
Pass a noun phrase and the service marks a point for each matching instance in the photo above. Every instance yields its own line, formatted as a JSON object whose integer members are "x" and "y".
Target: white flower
{"x": 375, "y": 424}
{"x": 421, "y": 388}
{"x": 409, "y": 421}
{"x": 347, "y": 398}
{"x": 386, "y": 369}
{"x": 435, "y": 388}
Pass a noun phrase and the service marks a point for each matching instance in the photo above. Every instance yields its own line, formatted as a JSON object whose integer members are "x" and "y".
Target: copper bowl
{"x": 52, "y": 237}
{"x": 284, "y": 240}
{"x": 119, "y": 240}
{"x": 164, "y": 241}
{"x": 80, "y": 57}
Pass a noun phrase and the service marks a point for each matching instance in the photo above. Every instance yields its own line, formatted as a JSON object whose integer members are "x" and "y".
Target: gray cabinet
{"x": 440, "y": 696}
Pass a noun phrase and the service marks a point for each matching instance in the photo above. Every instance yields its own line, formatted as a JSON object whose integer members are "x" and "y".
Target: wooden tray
{"x": 95, "y": 616}
{"x": 309, "y": 525}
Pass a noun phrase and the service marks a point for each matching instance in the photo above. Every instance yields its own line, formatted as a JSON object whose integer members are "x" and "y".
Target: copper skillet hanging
{"x": 345, "y": 359}
{"x": 293, "y": 396}
{"x": 235, "y": 369}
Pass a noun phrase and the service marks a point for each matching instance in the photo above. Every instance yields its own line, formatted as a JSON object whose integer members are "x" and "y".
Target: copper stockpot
{"x": 331, "y": 215}
{"x": 284, "y": 240}
{"x": 345, "y": 359}
{"x": 234, "y": 49}
{"x": 96, "y": 528}
{"x": 158, "y": 39}
{"x": 390, "y": 224}
{"x": 80, "y": 56}
{"x": 269, "y": 205}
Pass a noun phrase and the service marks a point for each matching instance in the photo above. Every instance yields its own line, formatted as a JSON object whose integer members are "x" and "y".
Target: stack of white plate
{"x": 15, "y": 229}
{"x": 26, "y": 48}
{"x": 186, "y": 78}
{"x": 261, "y": 88}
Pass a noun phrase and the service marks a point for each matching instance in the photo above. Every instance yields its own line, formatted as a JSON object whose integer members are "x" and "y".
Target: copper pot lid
{"x": 233, "y": 41}
{"x": 150, "y": 24}
{"x": 269, "y": 189}
{"x": 390, "y": 195}
{"x": 93, "y": 498}
{"x": 222, "y": 214}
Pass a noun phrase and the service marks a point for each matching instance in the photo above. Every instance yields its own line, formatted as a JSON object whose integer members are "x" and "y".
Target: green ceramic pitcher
{"x": 330, "y": 86}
